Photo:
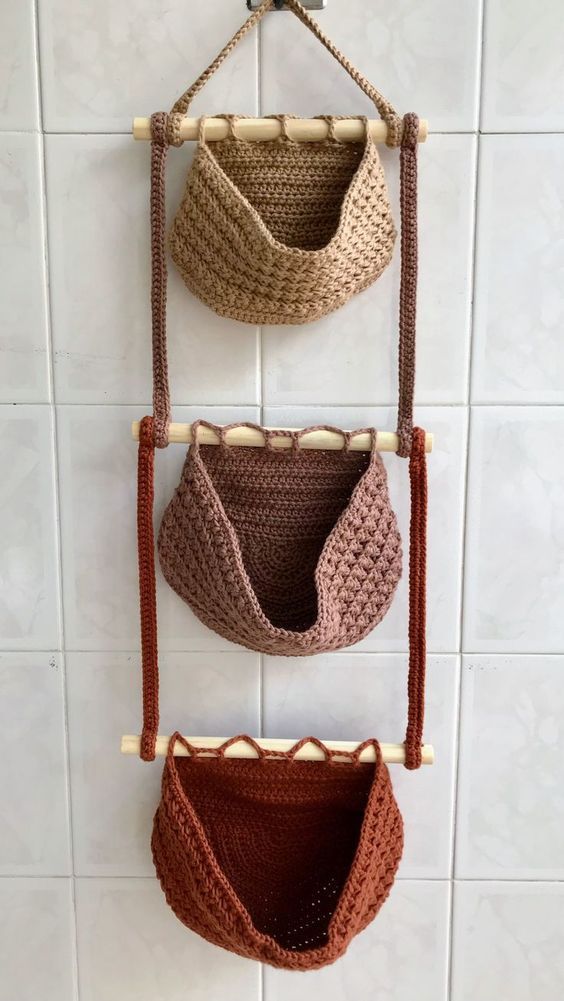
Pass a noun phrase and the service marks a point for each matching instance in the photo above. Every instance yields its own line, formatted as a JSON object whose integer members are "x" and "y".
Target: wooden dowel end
{"x": 386, "y": 441}
{"x": 267, "y": 129}
{"x": 392, "y": 754}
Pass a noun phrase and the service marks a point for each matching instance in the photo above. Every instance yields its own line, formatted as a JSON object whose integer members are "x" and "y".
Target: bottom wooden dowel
{"x": 392, "y": 754}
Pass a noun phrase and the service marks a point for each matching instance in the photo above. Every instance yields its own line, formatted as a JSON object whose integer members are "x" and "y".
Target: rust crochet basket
{"x": 282, "y": 862}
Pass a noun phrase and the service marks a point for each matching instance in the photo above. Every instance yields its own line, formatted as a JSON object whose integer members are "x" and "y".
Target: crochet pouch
{"x": 285, "y": 551}
{"x": 280, "y": 861}
{"x": 279, "y": 232}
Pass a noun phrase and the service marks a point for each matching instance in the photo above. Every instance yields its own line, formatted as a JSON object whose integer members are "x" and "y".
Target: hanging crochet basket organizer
{"x": 283, "y": 550}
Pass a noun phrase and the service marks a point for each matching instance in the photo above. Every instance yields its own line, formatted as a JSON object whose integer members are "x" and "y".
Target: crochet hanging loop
{"x": 417, "y": 600}
{"x": 147, "y": 588}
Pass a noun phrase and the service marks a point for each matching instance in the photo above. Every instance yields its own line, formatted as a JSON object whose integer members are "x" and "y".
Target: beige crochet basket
{"x": 280, "y": 232}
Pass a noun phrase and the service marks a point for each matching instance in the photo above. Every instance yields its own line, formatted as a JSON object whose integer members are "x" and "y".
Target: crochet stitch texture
{"x": 290, "y": 552}
{"x": 282, "y": 232}
{"x": 282, "y": 862}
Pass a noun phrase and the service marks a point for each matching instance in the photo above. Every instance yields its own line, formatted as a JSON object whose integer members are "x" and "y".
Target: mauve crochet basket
{"x": 285, "y": 551}
{"x": 288, "y": 551}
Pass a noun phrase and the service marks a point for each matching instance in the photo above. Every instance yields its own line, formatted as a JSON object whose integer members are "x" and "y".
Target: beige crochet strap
{"x": 161, "y": 391}
{"x": 385, "y": 109}
{"x": 408, "y": 282}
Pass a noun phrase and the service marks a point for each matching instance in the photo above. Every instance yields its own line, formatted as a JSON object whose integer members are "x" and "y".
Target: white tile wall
{"x": 508, "y": 941}
{"x": 511, "y": 798}
{"x": 514, "y": 567}
{"x": 102, "y": 62}
{"x": 34, "y": 825}
{"x": 37, "y": 936}
{"x": 523, "y": 66}
{"x": 24, "y": 374}
{"x": 19, "y": 108}
{"x": 518, "y": 347}
{"x": 29, "y": 614}
{"x": 82, "y": 917}
{"x": 131, "y": 946}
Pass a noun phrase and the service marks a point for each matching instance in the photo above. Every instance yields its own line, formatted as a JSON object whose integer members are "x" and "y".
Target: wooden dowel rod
{"x": 267, "y": 129}
{"x": 392, "y": 754}
{"x": 386, "y": 441}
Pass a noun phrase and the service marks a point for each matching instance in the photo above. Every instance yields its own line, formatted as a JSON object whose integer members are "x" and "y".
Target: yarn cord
{"x": 408, "y": 282}
{"x": 412, "y": 442}
{"x": 384, "y": 108}
{"x": 147, "y": 588}
{"x": 417, "y": 600}
{"x": 161, "y": 388}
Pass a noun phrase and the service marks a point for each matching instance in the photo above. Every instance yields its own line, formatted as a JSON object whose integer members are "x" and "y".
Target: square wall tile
{"x": 514, "y": 564}
{"x": 518, "y": 354}
{"x": 103, "y": 63}
{"x": 28, "y": 550}
{"x": 422, "y": 58}
{"x": 34, "y": 825}
{"x": 98, "y": 202}
{"x": 402, "y": 955}
{"x": 510, "y": 796}
{"x": 350, "y": 696}
{"x": 523, "y": 67}
{"x": 132, "y": 947}
{"x": 98, "y": 485}
{"x": 114, "y": 796}
{"x": 446, "y": 471}
{"x": 350, "y": 357}
{"x": 37, "y": 935}
{"x": 19, "y": 106}
{"x": 508, "y": 942}
{"x": 24, "y": 374}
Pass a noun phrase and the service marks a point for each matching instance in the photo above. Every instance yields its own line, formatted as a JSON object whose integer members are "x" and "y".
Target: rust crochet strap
{"x": 408, "y": 283}
{"x": 384, "y": 108}
{"x": 161, "y": 392}
{"x": 417, "y": 589}
{"x": 147, "y": 588}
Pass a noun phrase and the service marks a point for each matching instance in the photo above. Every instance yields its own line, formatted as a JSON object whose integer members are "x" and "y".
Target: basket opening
{"x": 282, "y": 507}
{"x": 297, "y": 189}
{"x": 284, "y": 835}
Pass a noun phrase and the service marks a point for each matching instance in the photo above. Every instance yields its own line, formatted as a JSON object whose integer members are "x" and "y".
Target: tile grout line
{"x": 432, "y": 132}
{"x": 466, "y": 497}
{"x": 490, "y": 880}
{"x": 445, "y": 405}
{"x": 56, "y": 487}
{"x": 491, "y": 654}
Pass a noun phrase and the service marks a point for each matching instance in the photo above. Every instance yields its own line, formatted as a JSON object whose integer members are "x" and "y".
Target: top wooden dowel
{"x": 252, "y": 437}
{"x": 267, "y": 129}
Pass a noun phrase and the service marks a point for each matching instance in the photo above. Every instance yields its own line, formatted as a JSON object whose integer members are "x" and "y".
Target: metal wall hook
{"x": 280, "y": 5}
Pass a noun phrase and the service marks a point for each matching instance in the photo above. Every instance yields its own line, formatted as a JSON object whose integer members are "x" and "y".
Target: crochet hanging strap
{"x": 154, "y": 431}
{"x": 384, "y": 108}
